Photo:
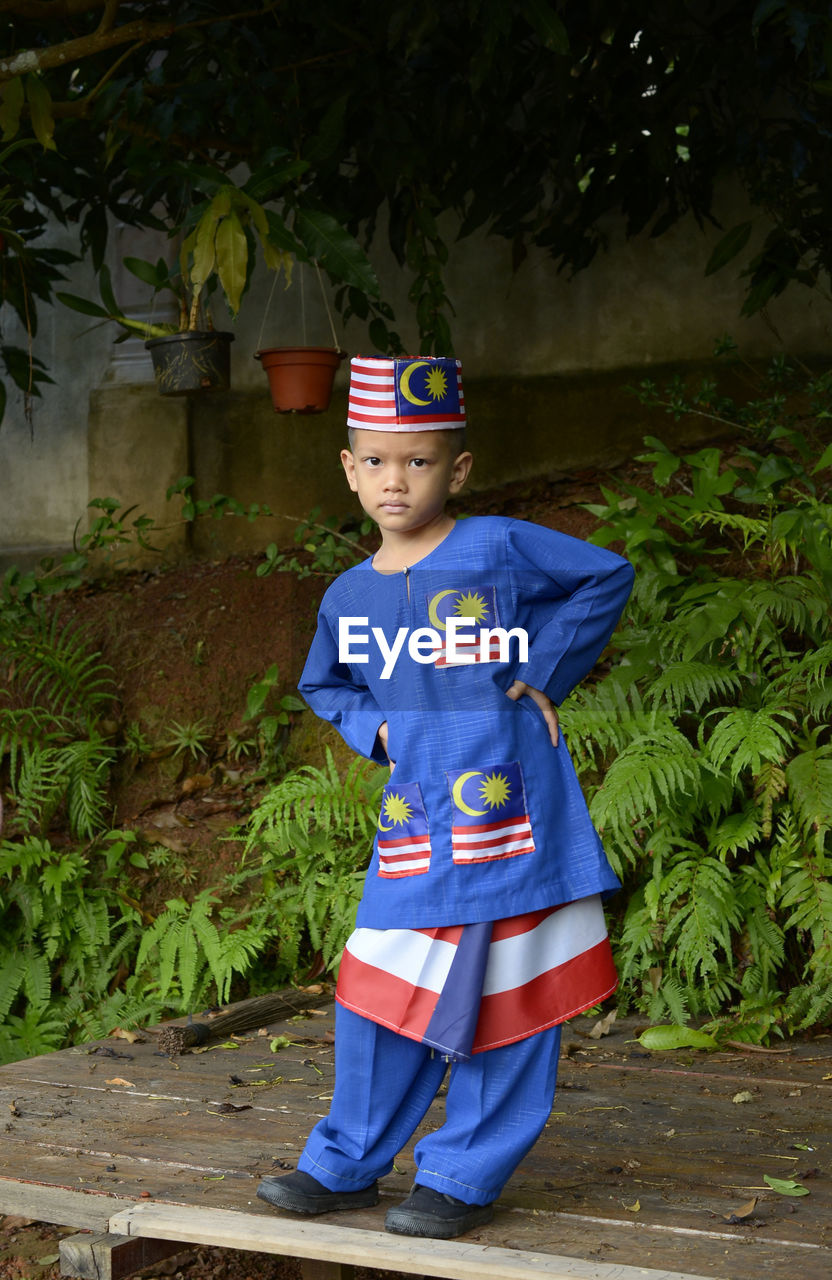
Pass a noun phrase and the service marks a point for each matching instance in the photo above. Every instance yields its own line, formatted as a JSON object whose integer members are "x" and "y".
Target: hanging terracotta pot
{"x": 300, "y": 378}
{"x": 191, "y": 361}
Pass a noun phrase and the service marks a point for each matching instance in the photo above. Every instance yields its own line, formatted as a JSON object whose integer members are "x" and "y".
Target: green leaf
{"x": 155, "y": 275}
{"x": 232, "y": 259}
{"x": 11, "y": 105}
{"x": 107, "y": 295}
{"x": 337, "y": 251}
{"x": 825, "y": 460}
{"x": 201, "y": 243}
{"x": 282, "y": 237}
{"x": 40, "y": 106}
{"x": 729, "y": 246}
{"x": 548, "y": 25}
{"x": 84, "y": 305}
{"x": 785, "y": 1186}
{"x": 745, "y": 739}
{"x": 764, "y": 10}
{"x": 809, "y": 776}
{"x": 671, "y": 1036}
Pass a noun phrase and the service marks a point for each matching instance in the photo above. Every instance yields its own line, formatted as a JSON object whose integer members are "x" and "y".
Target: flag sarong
{"x": 464, "y": 989}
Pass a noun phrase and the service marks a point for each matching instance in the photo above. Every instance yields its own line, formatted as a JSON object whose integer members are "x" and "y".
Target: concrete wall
{"x": 545, "y": 362}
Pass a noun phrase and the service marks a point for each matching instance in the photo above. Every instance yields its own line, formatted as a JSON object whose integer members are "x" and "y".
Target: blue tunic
{"x": 482, "y": 818}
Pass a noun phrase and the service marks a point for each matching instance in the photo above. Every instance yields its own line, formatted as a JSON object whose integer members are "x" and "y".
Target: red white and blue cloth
{"x": 468, "y": 988}
{"x": 412, "y": 393}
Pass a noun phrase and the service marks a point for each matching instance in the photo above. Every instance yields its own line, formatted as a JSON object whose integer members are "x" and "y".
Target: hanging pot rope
{"x": 326, "y": 304}
{"x": 327, "y": 308}
{"x": 266, "y": 312}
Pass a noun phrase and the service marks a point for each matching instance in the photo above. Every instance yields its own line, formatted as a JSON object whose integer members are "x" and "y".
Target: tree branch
{"x": 105, "y": 37}
{"x": 49, "y": 9}
{"x": 108, "y": 17}
{"x": 70, "y": 51}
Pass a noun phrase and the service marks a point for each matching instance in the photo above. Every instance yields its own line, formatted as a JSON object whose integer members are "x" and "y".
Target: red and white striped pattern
{"x": 485, "y": 841}
{"x": 470, "y": 648}
{"x": 373, "y": 404}
{"x": 406, "y": 856}
{"x": 543, "y": 968}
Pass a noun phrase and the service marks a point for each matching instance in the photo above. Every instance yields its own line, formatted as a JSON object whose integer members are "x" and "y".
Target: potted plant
{"x": 217, "y": 251}
{"x": 219, "y": 240}
{"x": 300, "y": 378}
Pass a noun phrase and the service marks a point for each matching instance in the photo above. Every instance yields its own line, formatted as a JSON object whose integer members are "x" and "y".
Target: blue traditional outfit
{"x": 480, "y": 928}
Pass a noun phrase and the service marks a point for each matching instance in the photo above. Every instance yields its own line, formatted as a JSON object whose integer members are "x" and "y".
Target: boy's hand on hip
{"x": 519, "y": 689}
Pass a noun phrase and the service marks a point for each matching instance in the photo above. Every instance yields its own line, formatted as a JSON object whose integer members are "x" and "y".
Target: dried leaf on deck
{"x": 124, "y": 1033}
{"x": 603, "y": 1026}
{"x": 633, "y": 1208}
{"x": 744, "y": 1211}
{"x": 126, "y": 1084}
{"x": 744, "y": 1096}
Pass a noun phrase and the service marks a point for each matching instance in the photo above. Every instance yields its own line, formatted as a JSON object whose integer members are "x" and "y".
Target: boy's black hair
{"x": 456, "y": 439}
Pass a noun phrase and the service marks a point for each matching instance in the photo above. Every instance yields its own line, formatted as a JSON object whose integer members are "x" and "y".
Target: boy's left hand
{"x": 519, "y": 689}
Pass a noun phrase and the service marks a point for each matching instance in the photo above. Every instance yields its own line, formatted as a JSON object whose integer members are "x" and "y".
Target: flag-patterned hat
{"x": 412, "y": 393}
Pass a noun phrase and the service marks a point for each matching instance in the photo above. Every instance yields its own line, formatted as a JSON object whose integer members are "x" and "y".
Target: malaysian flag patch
{"x": 403, "y": 835}
{"x": 480, "y": 605}
{"x": 421, "y": 393}
{"x": 490, "y": 813}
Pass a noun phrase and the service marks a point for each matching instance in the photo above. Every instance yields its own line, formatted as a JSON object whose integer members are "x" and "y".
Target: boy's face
{"x": 404, "y": 478}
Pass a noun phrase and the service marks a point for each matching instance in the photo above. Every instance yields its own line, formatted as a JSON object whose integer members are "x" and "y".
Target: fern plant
{"x": 66, "y": 931}
{"x": 706, "y": 747}
{"x": 309, "y": 842}
{"x": 54, "y": 692}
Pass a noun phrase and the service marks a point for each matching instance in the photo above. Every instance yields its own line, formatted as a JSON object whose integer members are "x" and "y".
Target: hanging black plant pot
{"x": 191, "y": 361}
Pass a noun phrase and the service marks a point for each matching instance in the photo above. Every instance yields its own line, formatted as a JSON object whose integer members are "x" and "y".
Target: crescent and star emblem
{"x": 434, "y": 605}
{"x": 404, "y": 382}
{"x": 457, "y": 793}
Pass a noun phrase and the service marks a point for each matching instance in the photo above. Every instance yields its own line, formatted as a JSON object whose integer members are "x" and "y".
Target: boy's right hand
{"x": 383, "y": 731}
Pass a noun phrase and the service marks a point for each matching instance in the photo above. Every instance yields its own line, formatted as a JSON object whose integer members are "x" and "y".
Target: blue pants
{"x": 496, "y": 1107}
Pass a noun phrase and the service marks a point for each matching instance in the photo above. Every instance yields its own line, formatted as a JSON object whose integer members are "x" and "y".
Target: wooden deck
{"x": 643, "y": 1162}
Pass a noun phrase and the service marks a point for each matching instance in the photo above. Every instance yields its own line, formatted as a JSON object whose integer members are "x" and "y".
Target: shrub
{"x": 705, "y": 746}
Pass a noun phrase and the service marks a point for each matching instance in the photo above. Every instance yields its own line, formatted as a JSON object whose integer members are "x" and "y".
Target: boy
{"x": 480, "y": 929}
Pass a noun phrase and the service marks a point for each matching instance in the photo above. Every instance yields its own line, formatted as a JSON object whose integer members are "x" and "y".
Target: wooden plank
{"x": 204, "y": 1155}
{"x": 57, "y": 1204}
{"x": 607, "y": 1145}
{"x": 105, "y": 1256}
{"x": 452, "y": 1259}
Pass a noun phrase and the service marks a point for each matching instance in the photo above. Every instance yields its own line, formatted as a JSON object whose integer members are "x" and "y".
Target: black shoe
{"x": 426, "y": 1212}
{"x": 301, "y": 1193}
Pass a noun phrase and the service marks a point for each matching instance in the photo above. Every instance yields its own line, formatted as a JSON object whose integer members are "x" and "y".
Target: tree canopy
{"x": 533, "y": 119}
